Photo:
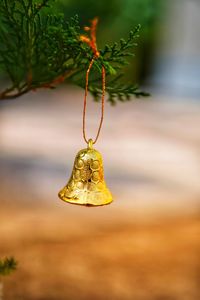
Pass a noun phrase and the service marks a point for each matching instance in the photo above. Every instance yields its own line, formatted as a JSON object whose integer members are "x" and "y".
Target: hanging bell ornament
{"x": 86, "y": 185}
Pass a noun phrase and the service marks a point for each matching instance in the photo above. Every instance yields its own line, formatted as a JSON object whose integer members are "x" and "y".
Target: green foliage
{"x": 40, "y": 50}
{"x": 7, "y": 266}
{"x": 118, "y": 52}
{"x": 122, "y": 92}
{"x": 116, "y": 57}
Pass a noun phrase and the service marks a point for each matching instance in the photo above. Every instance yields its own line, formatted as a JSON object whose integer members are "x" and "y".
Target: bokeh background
{"x": 145, "y": 245}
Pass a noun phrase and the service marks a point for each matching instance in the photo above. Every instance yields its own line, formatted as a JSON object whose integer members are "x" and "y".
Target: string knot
{"x": 91, "y": 41}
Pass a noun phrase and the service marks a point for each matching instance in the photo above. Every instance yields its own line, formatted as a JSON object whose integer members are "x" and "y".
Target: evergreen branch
{"x": 7, "y": 266}
{"x": 41, "y": 50}
{"x": 119, "y": 52}
{"x": 118, "y": 92}
{"x": 12, "y": 93}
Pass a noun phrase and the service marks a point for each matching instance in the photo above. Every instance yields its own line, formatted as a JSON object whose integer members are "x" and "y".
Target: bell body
{"x": 86, "y": 185}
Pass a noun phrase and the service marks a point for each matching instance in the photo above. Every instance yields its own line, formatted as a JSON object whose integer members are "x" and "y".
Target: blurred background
{"x": 145, "y": 245}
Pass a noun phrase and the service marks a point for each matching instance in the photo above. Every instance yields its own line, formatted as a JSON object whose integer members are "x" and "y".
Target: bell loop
{"x": 90, "y": 144}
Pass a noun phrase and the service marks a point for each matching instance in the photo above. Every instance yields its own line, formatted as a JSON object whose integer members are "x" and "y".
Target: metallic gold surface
{"x": 86, "y": 185}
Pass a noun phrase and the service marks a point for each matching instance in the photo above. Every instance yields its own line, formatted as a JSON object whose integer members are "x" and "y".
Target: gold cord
{"x": 92, "y": 43}
{"x": 85, "y": 102}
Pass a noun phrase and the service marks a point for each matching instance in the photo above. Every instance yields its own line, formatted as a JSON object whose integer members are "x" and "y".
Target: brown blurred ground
{"x": 145, "y": 246}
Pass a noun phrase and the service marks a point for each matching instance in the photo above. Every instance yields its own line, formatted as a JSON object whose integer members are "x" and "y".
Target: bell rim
{"x": 84, "y": 204}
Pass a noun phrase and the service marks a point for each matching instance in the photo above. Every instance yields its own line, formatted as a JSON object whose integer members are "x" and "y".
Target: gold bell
{"x": 86, "y": 185}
